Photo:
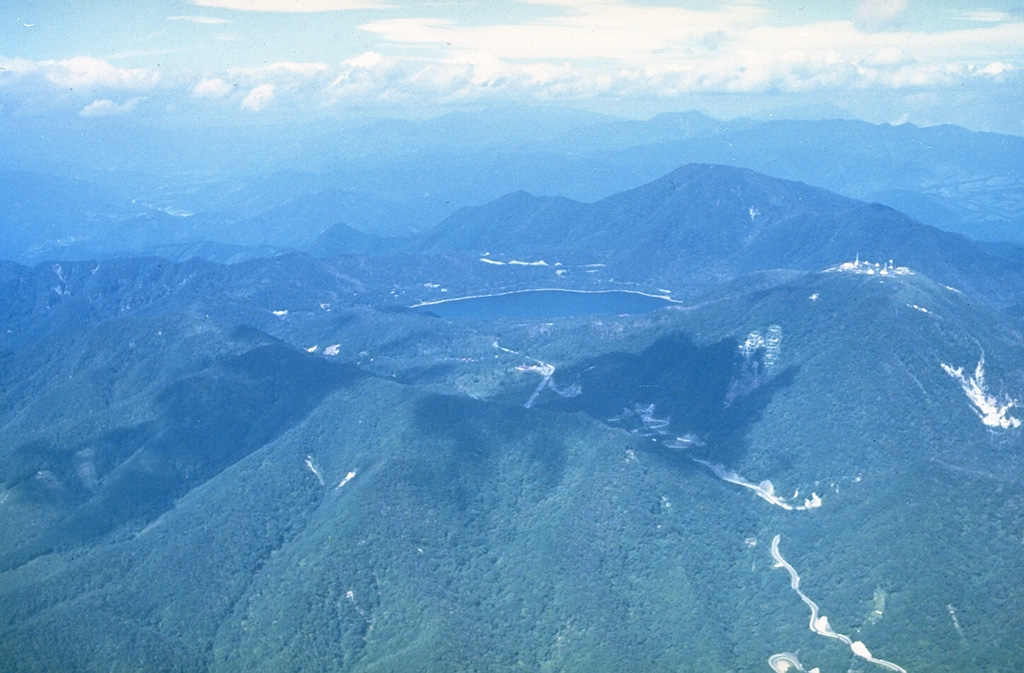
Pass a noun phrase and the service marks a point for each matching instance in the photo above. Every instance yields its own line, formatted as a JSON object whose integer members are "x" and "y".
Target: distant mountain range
{"x": 397, "y": 178}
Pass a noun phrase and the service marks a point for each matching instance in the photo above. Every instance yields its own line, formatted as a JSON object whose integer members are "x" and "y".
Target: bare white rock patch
{"x": 993, "y": 412}
{"x": 348, "y": 477}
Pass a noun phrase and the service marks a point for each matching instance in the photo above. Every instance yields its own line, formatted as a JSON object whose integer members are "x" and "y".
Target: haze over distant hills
{"x": 398, "y": 177}
{"x": 701, "y": 225}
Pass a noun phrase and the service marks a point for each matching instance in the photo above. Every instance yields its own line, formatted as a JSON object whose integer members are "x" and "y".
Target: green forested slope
{"x": 180, "y": 493}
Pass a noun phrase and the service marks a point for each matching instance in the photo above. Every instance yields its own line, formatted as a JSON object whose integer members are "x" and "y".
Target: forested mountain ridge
{"x": 321, "y": 516}
{"x": 277, "y": 463}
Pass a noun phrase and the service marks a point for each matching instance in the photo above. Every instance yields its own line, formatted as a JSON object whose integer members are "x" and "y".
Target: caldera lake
{"x": 546, "y": 303}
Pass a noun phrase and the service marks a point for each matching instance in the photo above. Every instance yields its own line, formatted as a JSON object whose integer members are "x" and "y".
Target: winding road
{"x": 546, "y": 371}
{"x": 819, "y": 624}
{"x": 765, "y": 490}
{"x": 783, "y": 662}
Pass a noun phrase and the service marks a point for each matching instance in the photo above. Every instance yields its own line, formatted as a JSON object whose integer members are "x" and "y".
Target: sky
{"x": 254, "y": 61}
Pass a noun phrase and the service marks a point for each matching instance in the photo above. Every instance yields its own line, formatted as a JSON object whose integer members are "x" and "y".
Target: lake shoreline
{"x": 543, "y": 303}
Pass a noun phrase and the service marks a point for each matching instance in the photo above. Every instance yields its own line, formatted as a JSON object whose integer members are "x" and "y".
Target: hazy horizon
{"x": 286, "y": 62}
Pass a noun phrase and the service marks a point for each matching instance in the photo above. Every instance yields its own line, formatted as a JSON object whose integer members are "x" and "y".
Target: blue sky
{"x": 288, "y": 60}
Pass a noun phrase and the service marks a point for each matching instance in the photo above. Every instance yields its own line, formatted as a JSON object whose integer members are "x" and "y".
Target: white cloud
{"x": 292, "y": 6}
{"x": 369, "y": 59}
{"x": 596, "y": 30}
{"x": 607, "y": 48}
{"x": 12, "y": 68}
{"x": 107, "y": 108}
{"x": 89, "y": 72}
{"x": 301, "y": 83}
{"x": 887, "y": 56}
{"x": 612, "y": 48}
{"x": 879, "y": 14}
{"x": 45, "y": 83}
{"x": 259, "y": 98}
{"x": 208, "y": 20}
{"x": 285, "y": 68}
{"x": 257, "y": 87}
{"x": 996, "y": 68}
{"x": 369, "y": 77}
{"x": 211, "y": 87}
{"x": 585, "y": 52}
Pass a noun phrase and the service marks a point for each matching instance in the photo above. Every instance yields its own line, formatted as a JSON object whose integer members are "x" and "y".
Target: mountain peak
{"x": 702, "y": 224}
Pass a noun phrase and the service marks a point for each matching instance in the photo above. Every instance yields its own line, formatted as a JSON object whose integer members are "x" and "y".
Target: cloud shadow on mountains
{"x": 473, "y": 436}
{"x": 204, "y": 423}
{"x": 212, "y": 420}
{"x": 712, "y": 392}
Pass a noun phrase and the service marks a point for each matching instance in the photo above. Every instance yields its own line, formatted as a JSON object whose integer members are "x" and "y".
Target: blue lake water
{"x": 540, "y": 304}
